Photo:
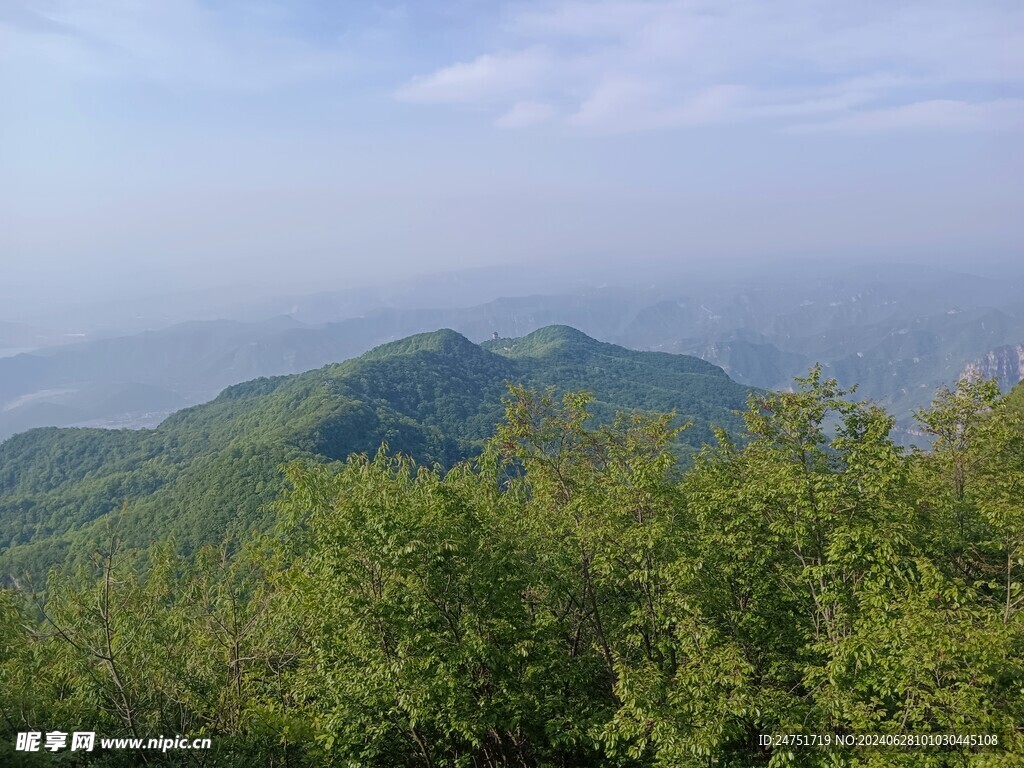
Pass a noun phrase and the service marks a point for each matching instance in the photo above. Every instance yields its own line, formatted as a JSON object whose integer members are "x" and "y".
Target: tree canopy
{"x": 573, "y": 596}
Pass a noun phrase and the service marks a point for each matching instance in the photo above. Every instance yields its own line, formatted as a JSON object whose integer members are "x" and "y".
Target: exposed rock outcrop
{"x": 1005, "y": 364}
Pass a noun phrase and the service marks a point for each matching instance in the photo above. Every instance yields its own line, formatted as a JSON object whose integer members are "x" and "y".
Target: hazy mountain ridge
{"x": 898, "y": 339}
{"x": 22, "y": 336}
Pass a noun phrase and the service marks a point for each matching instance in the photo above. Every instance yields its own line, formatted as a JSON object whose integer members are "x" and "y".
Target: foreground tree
{"x": 573, "y": 598}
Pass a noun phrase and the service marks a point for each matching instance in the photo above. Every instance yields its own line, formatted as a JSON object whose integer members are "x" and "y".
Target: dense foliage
{"x": 573, "y": 597}
{"x": 210, "y": 471}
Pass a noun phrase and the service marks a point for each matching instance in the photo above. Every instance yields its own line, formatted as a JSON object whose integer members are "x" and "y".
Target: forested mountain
{"x": 899, "y": 333}
{"x": 206, "y": 471}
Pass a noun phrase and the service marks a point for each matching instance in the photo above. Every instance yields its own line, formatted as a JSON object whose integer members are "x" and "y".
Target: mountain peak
{"x": 543, "y": 342}
{"x": 444, "y": 341}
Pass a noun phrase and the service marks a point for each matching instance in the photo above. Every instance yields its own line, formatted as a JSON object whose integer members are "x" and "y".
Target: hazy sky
{"x": 178, "y": 142}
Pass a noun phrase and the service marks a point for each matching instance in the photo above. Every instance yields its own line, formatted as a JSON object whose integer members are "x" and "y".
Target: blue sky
{"x": 183, "y": 142}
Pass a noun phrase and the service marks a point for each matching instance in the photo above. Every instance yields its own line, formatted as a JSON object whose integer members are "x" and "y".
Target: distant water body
{"x": 12, "y": 351}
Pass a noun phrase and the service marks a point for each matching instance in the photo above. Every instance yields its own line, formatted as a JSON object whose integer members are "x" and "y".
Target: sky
{"x": 157, "y": 144}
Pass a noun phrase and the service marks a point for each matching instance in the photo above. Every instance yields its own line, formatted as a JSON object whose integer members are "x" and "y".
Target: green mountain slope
{"x": 207, "y": 471}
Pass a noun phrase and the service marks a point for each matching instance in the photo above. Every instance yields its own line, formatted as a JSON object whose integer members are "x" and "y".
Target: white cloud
{"x": 487, "y": 77}
{"x": 526, "y": 114}
{"x": 656, "y": 64}
{"x": 614, "y": 103}
{"x": 177, "y": 42}
{"x": 936, "y": 114}
{"x": 633, "y": 105}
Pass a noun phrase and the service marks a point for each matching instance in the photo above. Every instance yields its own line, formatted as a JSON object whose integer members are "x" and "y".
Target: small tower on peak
{"x": 494, "y": 336}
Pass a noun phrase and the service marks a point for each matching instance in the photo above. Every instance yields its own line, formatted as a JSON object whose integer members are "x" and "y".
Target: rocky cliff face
{"x": 1005, "y": 364}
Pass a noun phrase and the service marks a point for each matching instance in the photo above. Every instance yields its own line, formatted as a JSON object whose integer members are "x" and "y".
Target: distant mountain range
{"x": 14, "y": 336}
{"x": 207, "y": 471}
{"x": 899, "y": 333}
